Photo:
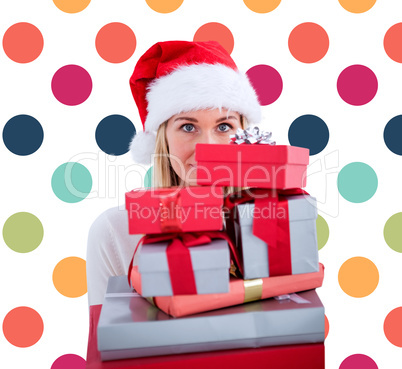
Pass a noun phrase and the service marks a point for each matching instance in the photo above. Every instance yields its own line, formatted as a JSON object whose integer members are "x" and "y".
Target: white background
{"x": 356, "y": 134}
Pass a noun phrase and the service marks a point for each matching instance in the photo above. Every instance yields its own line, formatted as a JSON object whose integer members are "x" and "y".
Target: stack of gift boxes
{"x": 222, "y": 273}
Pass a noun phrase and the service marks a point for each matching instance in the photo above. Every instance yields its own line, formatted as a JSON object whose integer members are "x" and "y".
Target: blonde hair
{"x": 163, "y": 172}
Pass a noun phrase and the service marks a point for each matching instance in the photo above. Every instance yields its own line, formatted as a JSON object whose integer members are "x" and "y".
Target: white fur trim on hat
{"x": 196, "y": 87}
{"x": 200, "y": 86}
{"x": 142, "y": 147}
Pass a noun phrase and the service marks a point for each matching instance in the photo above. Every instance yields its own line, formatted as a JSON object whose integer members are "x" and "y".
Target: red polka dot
{"x": 115, "y": 42}
{"x": 23, "y": 42}
{"x": 308, "y": 42}
{"x": 393, "y": 41}
{"x": 216, "y": 32}
{"x": 23, "y": 326}
{"x": 393, "y": 327}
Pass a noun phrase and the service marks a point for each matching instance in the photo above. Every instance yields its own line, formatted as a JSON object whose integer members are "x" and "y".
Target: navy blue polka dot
{"x": 114, "y": 134}
{"x": 23, "y": 135}
{"x": 393, "y": 135}
{"x": 309, "y": 131}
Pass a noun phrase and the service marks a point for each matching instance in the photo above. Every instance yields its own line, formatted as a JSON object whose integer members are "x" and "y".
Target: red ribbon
{"x": 179, "y": 259}
{"x": 274, "y": 229}
{"x": 169, "y": 207}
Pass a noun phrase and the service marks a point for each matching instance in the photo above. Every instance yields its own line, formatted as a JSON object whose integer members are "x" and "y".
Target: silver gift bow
{"x": 251, "y": 135}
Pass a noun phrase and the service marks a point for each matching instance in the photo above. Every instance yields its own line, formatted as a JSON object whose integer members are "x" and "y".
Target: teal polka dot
{"x": 148, "y": 178}
{"x": 357, "y": 182}
{"x": 71, "y": 182}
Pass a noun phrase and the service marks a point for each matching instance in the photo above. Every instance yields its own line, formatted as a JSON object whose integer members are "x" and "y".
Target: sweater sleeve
{"x": 109, "y": 251}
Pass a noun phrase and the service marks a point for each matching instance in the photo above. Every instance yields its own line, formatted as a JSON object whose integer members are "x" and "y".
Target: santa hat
{"x": 173, "y": 77}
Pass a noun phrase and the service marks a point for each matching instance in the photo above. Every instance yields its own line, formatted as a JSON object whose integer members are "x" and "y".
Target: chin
{"x": 190, "y": 181}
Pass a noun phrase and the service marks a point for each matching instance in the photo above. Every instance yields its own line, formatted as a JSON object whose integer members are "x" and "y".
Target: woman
{"x": 186, "y": 93}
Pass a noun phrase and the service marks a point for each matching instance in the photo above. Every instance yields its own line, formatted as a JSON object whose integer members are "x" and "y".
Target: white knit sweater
{"x": 109, "y": 251}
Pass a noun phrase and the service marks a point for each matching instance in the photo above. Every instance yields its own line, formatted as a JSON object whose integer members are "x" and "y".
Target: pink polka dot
{"x": 69, "y": 361}
{"x": 358, "y": 361}
{"x": 267, "y": 82}
{"x": 71, "y": 85}
{"x": 357, "y": 85}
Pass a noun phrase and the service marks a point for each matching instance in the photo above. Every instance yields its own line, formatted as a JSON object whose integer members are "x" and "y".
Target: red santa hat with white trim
{"x": 174, "y": 77}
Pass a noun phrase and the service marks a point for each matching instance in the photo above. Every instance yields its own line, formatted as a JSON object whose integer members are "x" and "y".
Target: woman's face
{"x": 185, "y": 130}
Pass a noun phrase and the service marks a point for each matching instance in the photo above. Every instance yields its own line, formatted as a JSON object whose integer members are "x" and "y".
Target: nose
{"x": 209, "y": 138}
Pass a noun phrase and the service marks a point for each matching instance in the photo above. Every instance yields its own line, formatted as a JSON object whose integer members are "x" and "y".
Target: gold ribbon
{"x": 150, "y": 300}
{"x": 252, "y": 289}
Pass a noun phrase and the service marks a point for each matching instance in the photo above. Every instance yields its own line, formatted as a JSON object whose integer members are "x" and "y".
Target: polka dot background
{"x": 217, "y": 32}
{"x": 67, "y": 114}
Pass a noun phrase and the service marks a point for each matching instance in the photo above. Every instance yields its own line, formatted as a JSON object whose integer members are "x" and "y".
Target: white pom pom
{"x": 142, "y": 146}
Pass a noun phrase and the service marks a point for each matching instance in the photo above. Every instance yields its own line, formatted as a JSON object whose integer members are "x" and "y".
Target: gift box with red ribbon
{"x": 184, "y": 263}
{"x": 174, "y": 209}
{"x": 274, "y": 231}
{"x": 251, "y": 165}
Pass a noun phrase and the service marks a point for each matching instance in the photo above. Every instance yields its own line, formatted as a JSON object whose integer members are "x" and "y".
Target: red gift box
{"x": 248, "y": 165}
{"x": 303, "y": 356}
{"x": 240, "y": 291}
{"x": 174, "y": 209}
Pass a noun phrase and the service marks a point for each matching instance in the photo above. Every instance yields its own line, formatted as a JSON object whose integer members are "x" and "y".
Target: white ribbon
{"x": 252, "y": 135}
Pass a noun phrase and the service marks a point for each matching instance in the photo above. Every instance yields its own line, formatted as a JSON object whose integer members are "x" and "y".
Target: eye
{"x": 188, "y": 127}
{"x": 224, "y": 127}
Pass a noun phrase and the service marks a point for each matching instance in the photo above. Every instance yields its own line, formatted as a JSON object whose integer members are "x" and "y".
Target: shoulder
{"x": 110, "y": 221}
{"x": 109, "y": 233}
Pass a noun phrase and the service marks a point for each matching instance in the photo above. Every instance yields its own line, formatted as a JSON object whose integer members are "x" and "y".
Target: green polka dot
{"x": 322, "y": 232}
{"x": 357, "y": 182}
{"x": 148, "y": 177}
{"x": 71, "y": 182}
{"x": 393, "y": 232}
{"x": 23, "y": 232}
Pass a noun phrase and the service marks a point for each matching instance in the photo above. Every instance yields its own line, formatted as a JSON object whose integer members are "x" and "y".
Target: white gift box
{"x": 210, "y": 262}
{"x": 129, "y": 326}
{"x": 302, "y": 232}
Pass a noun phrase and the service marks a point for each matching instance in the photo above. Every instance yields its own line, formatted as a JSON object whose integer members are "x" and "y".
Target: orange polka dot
{"x": 393, "y": 326}
{"x": 393, "y": 41}
{"x": 69, "y": 277}
{"x": 358, "y": 277}
{"x": 164, "y": 6}
{"x": 71, "y": 6}
{"x": 216, "y": 32}
{"x": 23, "y": 42}
{"x": 326, "y": 326}
{"x": 115, "y": 42}
{"x": 262, "y": 6}
{"x": 23, "y": 326}
{"x": 308, "y": 42}
{"x": 357, "y": 6}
